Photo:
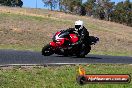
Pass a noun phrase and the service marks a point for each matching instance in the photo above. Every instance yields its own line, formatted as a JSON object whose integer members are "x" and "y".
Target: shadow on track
{"x": 77, "y": 57}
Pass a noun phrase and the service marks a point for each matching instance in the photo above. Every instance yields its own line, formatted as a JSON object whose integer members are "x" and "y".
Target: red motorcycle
{"x": 61, "y": 42}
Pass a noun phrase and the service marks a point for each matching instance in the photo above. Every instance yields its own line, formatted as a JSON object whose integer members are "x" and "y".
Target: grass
{"x": 59, "y": 76}
{"x": 123, "y": 53}
{"x": 23, "y": 37}
{"x": 30, "y": 29}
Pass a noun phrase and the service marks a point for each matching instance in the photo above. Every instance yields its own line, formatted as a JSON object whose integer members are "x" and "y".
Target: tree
{"x": 12, "y": 3}
{"x": 127, "y": 15}
{"x": 51, "y": 3}
{"x": 72, "y": 6}
{"x": 122, "y": 13}
{"x": 89, "y": 5}
{"x": 105, "y": 8}
{"x": 19, "y": 3}
{"x": 60, "y": 6}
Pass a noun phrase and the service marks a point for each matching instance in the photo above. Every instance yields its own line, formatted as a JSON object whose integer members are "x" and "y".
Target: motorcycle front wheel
{"x": 47, "y": 50}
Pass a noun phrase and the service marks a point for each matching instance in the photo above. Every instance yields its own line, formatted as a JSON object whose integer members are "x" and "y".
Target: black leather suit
{"x": 83, "y": 35}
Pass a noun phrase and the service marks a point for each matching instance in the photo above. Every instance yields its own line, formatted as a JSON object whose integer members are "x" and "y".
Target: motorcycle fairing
{"x": 60, "y": 39}
{"x": 74, "y": 38}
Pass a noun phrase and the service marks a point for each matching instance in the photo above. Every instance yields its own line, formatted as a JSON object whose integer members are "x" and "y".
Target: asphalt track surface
{"x": 12, "y": 57}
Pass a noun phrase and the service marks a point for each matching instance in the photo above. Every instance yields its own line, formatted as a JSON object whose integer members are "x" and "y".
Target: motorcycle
{"x": 61, "y": 45}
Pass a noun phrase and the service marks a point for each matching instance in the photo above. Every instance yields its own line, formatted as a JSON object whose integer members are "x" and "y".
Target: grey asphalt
{"x": 10, "y": 57}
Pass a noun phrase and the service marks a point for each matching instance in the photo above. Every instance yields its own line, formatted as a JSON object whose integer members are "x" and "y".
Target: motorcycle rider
{"x": 81, "y": 31}
{"x": 83, "y": 35}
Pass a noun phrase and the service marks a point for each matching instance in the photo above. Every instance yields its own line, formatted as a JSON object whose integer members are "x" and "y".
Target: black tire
{"x": 81, "y": 56}
{"x": 81, "y": 80}
{"x": 65, "y": 53}
{"x": 87, "y": 50}
{"x": 47, "y": 50}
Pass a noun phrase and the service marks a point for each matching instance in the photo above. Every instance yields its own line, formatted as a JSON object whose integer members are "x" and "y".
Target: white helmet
{"x": 78, "y": 25}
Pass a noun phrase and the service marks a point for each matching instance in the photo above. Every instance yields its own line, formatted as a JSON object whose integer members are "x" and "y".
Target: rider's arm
{"x": 83, "y": 33}
{"x": 71, "y": 30}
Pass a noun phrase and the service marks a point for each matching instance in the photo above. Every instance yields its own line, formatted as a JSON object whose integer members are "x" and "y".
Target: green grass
{"x": 123, "y": 53}
{"x": 32, "y": 18}
{"x": 59, "y": 76}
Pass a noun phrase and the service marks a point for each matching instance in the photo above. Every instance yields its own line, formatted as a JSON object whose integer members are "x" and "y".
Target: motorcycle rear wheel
{"x": 82, "y": 55}
{"x": 47, "y": 50}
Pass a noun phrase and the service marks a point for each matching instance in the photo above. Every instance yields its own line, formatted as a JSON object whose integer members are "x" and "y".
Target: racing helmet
{"x": 78, "y": 25}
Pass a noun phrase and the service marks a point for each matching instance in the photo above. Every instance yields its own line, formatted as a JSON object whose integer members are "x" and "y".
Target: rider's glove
{"x": 79, "y": 42}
